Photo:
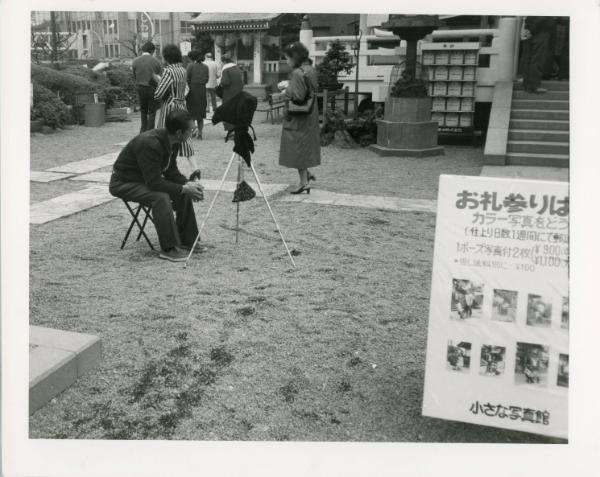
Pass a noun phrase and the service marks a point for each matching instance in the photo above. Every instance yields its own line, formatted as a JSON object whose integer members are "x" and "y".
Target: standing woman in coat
{"x": 197, "y": 77}
{"x": 232, "y": 81}
{"x": 300, "y": 137}
{"x": 171, "y": 92}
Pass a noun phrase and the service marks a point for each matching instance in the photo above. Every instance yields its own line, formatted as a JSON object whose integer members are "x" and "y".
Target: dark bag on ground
{"x": 243, "y": 192}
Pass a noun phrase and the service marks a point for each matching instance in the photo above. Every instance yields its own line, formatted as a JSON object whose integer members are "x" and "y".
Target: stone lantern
{"x": 406, "y": 128}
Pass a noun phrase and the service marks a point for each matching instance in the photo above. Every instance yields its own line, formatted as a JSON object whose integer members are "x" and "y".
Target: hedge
{"x": 48, "y": 107}
{"x": 65, "y": 84}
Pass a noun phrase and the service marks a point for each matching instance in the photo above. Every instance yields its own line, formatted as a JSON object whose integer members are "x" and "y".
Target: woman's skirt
{"x": 186, "y": 149}
{"x": 196, "y": 102}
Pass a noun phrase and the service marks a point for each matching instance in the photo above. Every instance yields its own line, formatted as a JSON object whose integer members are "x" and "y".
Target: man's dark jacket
{"x": 148, "y": 158}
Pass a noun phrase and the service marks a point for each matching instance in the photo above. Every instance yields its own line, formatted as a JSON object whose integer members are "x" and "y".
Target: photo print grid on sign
{"x": 466, "y": 300}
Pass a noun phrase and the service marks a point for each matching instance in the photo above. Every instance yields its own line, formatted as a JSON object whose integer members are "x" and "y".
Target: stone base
{"x": 415, "y": 139}
{"x": 56, "y": 359}
{"x": 388, "y": 151}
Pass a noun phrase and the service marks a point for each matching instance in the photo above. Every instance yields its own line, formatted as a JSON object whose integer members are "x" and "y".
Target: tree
{"x": 336, "y": 60}
{"x": 47, "y": 42}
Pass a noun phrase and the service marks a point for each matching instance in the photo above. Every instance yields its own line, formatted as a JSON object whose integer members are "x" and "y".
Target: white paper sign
{"x": 497, "y": 350}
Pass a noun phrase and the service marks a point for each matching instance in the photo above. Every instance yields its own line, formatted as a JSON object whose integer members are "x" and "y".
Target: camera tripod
{"x": 260, "y": 188}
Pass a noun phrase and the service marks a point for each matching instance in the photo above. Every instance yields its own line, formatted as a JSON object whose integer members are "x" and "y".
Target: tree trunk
{"x": 53, "y": 39}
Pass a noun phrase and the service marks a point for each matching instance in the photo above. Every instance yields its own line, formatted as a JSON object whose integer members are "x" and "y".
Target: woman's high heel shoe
{"x": 304, "y": 188}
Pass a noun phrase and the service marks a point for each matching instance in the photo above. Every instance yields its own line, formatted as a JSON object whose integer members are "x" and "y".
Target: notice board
{"x": 498, "y": 334}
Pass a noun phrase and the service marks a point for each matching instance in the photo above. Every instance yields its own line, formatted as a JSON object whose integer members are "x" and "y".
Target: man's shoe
{"x": 174, "y": 255}
{"x": 199, "y": 248}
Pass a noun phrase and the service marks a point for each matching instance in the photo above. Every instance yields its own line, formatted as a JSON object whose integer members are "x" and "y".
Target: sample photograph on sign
{"x": 493, "y": 360}
{"x": 539, "y": 311}
{"x": 467, "y": 299}
{"x": 505, "y": 305}
{"x": 458, "y": 356}
{"x": 531, "y": 364}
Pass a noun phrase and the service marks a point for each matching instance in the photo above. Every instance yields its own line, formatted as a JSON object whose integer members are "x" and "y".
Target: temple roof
{"x": 235, "y": 21}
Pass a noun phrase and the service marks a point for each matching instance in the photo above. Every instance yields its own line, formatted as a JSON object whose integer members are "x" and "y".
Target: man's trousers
{"x": 181, "y": 230}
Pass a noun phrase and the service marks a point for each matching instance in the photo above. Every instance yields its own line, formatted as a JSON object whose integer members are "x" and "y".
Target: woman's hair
{"x": 196, "y": 55}
{"x": 172, "y": 54}
{"x": 298, "y": 53}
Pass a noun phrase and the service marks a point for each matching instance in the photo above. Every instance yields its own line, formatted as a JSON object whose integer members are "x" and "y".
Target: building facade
{"x": 116, "y": 35}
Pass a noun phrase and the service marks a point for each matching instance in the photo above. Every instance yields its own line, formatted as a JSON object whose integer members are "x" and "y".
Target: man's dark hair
{"x": 196, "y": 55}
{"x": 148, "y": 47}
{"x": 177, "y": 120}
{"x": 298, "y": 53}
{"x": 172, "y": 54}
{"x": 226, "y": 59}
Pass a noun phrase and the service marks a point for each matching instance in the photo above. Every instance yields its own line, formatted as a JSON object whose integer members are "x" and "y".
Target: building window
{"x": 105, "y": 26}
{"x": 106, "y": 52}
{"x": 186, "y": 28}
{"x": 84, "y": 41}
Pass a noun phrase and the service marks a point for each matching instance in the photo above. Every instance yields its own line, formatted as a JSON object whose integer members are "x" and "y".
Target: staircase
{"x": 538, "y": 133}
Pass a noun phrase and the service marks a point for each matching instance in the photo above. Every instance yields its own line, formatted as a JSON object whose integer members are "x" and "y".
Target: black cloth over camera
{"x": 239, "y": 111}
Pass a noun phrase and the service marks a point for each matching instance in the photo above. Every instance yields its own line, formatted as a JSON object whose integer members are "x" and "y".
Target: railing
{"x": 271, "y": 66}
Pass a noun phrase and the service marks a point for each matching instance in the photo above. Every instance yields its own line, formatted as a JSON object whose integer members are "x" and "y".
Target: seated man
{"x": 146, "y": 172}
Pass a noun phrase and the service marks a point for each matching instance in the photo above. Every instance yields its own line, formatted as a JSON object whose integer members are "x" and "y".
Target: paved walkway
{"x": 68, "y": 204}
{"x": 96, "y": 193}
{"x": 397, "y": 204}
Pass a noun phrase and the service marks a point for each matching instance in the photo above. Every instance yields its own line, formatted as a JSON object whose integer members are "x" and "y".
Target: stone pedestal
{"x": 407, "y": 129}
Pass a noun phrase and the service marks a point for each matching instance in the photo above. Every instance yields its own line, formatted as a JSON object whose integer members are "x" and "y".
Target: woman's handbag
{"x": 304, "y": 107}
{"x": 219, "y": 90}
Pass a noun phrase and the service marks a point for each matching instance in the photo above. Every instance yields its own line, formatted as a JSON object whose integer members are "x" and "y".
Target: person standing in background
{"x": 145, "y": 67}
{"x": 171, "y": 93}
{"x": 537, "y": 37}
{"x": 231, "y": 81}
{"x": 214, "y": 73}
{"x": 197, "y": 77}
{"x": 300, "y": 136}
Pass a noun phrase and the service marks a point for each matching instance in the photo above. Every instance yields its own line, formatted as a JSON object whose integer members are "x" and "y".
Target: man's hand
{"x": 194, "y": 190}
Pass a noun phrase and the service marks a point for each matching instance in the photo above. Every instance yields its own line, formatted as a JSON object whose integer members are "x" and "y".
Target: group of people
{"x": 146, "y": 171}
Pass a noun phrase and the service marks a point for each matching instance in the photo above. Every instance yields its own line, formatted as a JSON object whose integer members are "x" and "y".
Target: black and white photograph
{"x": 458, "y": 356}
{"x": 563, "y": 370}
{"x": 467, "y": 299}
{"x": 504, "y": 307}
{"x": 232, "y": 218}
{"x": 492, "y": 360}
{"x": 531, "y": 364}
{"x": 539, "y": 311}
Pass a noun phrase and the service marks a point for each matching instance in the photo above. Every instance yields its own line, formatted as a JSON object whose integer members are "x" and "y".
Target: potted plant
{"x": 336, "y": 60}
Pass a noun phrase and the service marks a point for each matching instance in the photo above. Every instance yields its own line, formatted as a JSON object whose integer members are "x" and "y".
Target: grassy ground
{"x": 239, "y": 345}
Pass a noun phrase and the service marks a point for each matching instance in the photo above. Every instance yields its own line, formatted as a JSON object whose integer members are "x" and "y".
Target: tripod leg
{"x": 272, "y": 215}
{"x": 237, "y": 209}
{"x": 210, "y": 207}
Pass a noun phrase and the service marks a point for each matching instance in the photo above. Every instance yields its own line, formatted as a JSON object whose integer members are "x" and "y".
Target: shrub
{"x": 336, "y": 60}
{"x": 85, "y": 73}
{"x": 116, "y": 97}
{"x": 65, "y": 84}
{"x": 121, "y": 76}
{"x": 48, "y": 107}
